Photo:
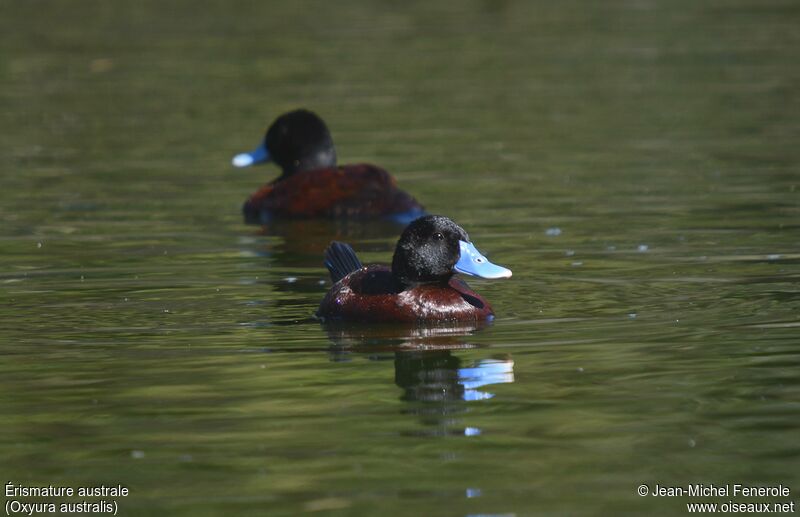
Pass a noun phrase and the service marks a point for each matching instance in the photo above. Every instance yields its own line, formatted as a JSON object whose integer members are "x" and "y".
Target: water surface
{"x": 635, "y": 163}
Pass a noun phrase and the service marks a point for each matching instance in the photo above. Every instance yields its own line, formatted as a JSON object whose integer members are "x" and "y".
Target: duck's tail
{"x": 341, "y": 260}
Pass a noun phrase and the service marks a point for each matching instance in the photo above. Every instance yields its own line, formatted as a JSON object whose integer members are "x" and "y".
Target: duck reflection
{"x": 437, "y": 383}
{"x": 435, "y": 376}
{"x": 301, "y": 242}
{"x": 354, "y": 337}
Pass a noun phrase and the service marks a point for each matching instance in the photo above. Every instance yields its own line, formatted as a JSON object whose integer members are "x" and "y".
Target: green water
{"x": 635, "y": 163}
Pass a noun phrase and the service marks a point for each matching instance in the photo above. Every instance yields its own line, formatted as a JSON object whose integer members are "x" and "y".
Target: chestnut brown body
{"x": 371, "y": 294}
{"x": 355, "y": 191}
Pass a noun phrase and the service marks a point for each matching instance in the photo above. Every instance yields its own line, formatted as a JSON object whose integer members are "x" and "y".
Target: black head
{"x": 299, "y": 141}
{"x": 427, "y": 250}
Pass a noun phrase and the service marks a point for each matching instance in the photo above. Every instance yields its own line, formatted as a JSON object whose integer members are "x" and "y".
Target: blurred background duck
{"x": 311, "y": 185}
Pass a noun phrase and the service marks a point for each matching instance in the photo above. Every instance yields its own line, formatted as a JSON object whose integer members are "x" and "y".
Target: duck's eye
{"x": 479, "y": 260}
{"x": 438, "y": 236}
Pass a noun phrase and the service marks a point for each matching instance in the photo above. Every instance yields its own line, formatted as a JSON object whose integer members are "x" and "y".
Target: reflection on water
{"x": 366, "y": 338}
{"x": 439, "y": 379}
{"x": 299, "y": 243}
{"x": 428, "y": 371}
{"x": 483, "y": 373}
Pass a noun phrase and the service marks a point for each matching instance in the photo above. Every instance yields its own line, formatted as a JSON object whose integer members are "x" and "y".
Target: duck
{"x": 421, "y": 285}
{"x": 311, "y": 185}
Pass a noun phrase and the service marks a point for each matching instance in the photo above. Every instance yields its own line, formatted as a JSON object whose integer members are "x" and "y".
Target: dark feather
{"x": 341, "y": 260}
